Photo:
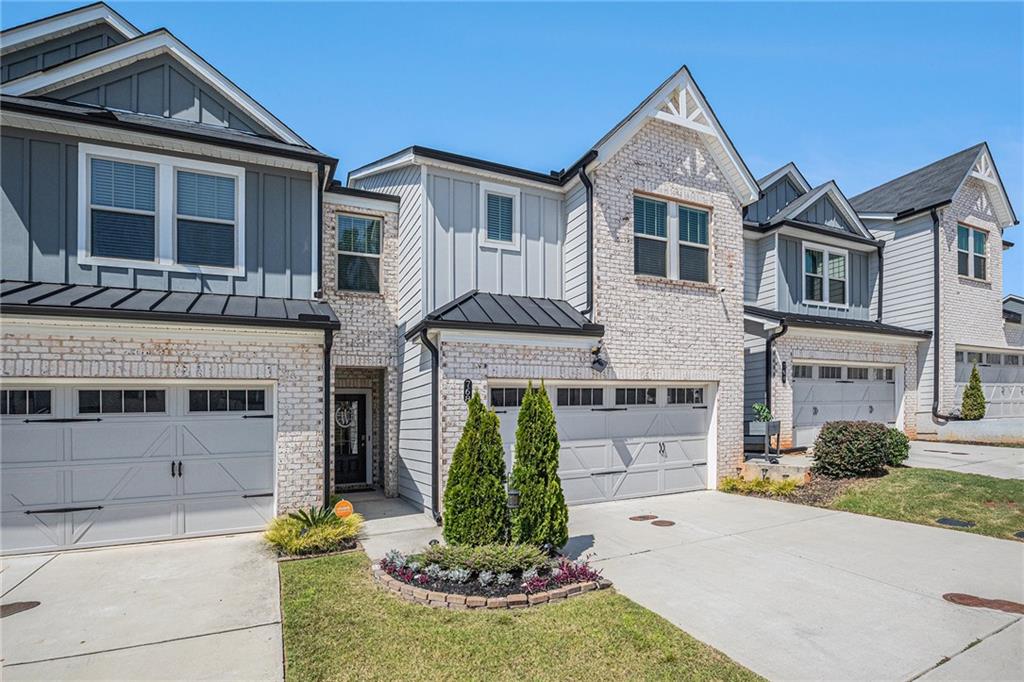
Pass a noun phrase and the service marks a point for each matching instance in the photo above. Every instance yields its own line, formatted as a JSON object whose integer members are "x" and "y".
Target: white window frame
{"x": 828, "y": 252}
{"x": 513, "y": 193}
{"x": 672, "y": 240}
{"x": 166, "y": 217}
{"x": 339, "y": 252}
{"x": 971, "y": 230}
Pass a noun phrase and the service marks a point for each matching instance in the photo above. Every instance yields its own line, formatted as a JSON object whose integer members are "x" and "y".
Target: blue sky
{"x": 858, "y": 92}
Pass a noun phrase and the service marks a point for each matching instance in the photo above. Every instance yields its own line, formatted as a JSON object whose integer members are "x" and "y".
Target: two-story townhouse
{"x": 617, "y": 282}
{"x": 164, "y": 351}
{"x": 815, "y": 348}
{"x": 943, "y": 226}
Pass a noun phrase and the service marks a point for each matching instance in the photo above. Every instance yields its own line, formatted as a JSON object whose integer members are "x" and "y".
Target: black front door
{"x": 350, "y": 427}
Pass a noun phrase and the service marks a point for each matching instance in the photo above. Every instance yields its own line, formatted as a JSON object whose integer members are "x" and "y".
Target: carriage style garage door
{"x": 622, "y": 441}
{"x": 1002, "y": 381}
{"x": 91, "y": 465}
{"x": 824, "y": 393}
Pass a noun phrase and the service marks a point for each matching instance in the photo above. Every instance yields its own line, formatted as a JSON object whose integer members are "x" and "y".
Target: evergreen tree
{"x": 475, "y": 501}
{"x": 542, "y": 516}
{"x": 973, "y": 404}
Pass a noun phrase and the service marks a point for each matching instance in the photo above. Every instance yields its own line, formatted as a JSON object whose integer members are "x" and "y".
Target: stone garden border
{"x": 446, "y": 600}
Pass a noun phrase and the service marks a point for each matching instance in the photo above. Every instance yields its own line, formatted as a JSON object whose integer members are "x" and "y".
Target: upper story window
{"x": 499, "y": 216}
{"x": 971, "y": 252}
{"x": 825, "y": 278}
{"x": 358, "y": 253}
{"x": 159, "y": 212}
{"x": 670, "y": 238}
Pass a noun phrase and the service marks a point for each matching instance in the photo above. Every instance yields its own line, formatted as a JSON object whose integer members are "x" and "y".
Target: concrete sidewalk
{"x": 194, "y": 609}
{"x": 989, "y": 460}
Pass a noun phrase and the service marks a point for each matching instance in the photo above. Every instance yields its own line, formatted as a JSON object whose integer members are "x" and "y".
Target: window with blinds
{"x": 122, "y": 209}
{"x": 693, "y": 244}
{"x": 205, "y": 219}
{"x": 499, "y": 218}
{"x": 650, "y": 230}
{"x": 358, "y": 253}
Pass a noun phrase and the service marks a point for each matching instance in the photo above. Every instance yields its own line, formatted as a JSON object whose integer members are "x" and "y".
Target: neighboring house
{"x": 163, "y": 347}
{"x": 618, "y": 282}
{"x": 1013, "y": 323}
{"x": 943, "y": 229}
{"x": 812, "y": 290}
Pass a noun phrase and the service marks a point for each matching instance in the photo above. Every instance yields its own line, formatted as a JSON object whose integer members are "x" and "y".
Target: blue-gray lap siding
{"x": 862, "y": 278}
{"x": 39, "y": 230}
{"x": 58, "y": 50}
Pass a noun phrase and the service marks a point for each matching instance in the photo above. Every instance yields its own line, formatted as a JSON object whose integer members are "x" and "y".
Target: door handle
{"x": 172, "y": 469}
{"x": 871, "y": 409}
{"x": 179, "y": 468}
{"x": 815, "y": 410}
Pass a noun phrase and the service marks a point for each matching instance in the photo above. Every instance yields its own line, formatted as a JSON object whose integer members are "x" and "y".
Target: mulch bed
{"x": 343, "y": 548}
{"x": 819, "y": 491}
{"x": 470, "y": 588}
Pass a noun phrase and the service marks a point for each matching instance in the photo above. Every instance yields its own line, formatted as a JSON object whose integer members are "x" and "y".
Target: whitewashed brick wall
{"x": 295, "y": 367}
{"x": 369, "y": 334}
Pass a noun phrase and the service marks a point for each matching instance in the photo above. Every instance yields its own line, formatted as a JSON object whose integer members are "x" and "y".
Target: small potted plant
{"x": 764, "y": 424}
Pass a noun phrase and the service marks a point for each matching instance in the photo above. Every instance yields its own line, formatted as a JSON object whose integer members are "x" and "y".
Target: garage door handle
{"x": 257, "y": 416}
{"x": 815, "y": 410}
{"x": 871, "y": 409}
{"x": 61, "y": 510}
{"x": 172, "y": 469}
{"x": 180, "y": 468}
{"x": 66, "y": 420}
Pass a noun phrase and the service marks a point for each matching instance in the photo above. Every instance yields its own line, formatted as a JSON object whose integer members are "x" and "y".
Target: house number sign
{"x": 467, "y": 390}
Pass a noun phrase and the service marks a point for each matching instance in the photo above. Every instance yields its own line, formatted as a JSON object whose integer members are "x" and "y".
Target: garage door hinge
{"x": 245, "y": 497}
{"x": 843, "y": 381}
{"x": 61, "y": 510}
{"x": 700, "y": 407}
{"x": 66, "y": 420}
{"x": 257, "y": 416}
{"x": 608, "y": 409}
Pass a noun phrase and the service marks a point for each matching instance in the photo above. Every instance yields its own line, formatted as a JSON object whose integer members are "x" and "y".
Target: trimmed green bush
{"x": 897, "y": 447}
{"x": 762, "y": 486}
{"x": 973, "y": 404}
{"x": 493, "y": 558}
{"x": 291, "y": 536}
{"x": 475, "y": 501}
{"x": 542, "y": 516}
{"x": 848, "y": 449}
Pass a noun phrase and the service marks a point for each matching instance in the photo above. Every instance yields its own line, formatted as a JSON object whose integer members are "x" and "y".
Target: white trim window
{"x": 137, "y": 209}
{"x": 825, "y": 276}
{"x": 499, "y": 216}
{"x": 359, "y": 238}
{"x": 971, "y": 252}
{"x": 670, "y": 237}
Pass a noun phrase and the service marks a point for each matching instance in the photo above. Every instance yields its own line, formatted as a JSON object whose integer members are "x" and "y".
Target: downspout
{"x": 319, "y": 230}
{"x": 881, "y": 278}
{"x": 435, "y": 436}
{"x": 328, "y": 414}
{"x": 589, "y": 186}
{"x": 935, "y": 321}
{"x": 769, "y": 342}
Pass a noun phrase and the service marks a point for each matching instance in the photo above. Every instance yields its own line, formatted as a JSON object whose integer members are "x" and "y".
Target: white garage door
{"x": 99, "y": 465}
{"x": 622, "y": 441}
{"x": 825, "y": 393}
{"x": 1002, "y": 381}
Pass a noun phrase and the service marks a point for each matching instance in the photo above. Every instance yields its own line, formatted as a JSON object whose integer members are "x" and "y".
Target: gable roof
{"x": 935, "y": 185}
{"x": 483, "y": 311}
{"x": 40, "y": 30}
{"x": 790, "y": 170}
{"x": 160, "y": 41}
{"x": 828, "y": 190}
{"x": 678, "y": 100}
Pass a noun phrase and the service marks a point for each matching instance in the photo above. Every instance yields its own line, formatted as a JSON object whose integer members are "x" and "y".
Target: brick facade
{"x": 207, "y": 354}
{"x": 835, "y": 348}
{"x": 365, "y": 351}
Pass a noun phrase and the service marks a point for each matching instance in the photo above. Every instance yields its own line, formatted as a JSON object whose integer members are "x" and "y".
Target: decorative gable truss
{"x": 679, "y": 101}
{"x": 984, "y": 169}
{"x": 824, "y": 205}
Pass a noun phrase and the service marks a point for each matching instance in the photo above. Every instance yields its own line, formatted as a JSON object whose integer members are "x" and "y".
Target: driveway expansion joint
{"x": 946, "y": 659}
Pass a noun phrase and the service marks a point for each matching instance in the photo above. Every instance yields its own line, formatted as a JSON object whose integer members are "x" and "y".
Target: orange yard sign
{"x": 343, "y": 509}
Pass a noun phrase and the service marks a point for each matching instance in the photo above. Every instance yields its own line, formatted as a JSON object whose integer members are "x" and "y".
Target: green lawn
{"x": 996, "y": 505}
{"x": 338, "y": 625}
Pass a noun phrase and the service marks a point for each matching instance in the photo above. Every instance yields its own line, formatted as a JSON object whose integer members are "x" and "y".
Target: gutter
{"x": 935, "y": 321}
{"x": 435, "y": 436}
{"x": 319, "y": 230}
{"x": 589, "y": 308}
{"x": 328, "y": 414}
{"x": 881, "y": 278}
{"x": 769, "y": 342}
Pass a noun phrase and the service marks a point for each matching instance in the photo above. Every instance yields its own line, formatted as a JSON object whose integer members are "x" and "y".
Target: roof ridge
{"x": 920, "y": 168}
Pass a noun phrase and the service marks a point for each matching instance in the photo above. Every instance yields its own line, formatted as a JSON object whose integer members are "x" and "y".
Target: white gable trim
{"x": 679, "y": 102}
{"x": 793, "y": 172}
{"x": 36, "y": 32}
{"x": 984, "y": 170}
{"x": 831, "y": 190}
{"x": 149, "y": 45}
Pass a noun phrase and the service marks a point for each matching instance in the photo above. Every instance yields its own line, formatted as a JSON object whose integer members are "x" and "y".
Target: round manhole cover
{"x": 663, "y": 523}
{"x": 981, "y": 602}
{"x": 16, "y": 607}
{"x": 643, "y": 517}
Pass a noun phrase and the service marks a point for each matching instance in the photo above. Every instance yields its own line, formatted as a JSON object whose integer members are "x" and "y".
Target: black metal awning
{"x": 84, "y": 300}
{"x": 835, "y": 323}
{"x": 482, "y": 311}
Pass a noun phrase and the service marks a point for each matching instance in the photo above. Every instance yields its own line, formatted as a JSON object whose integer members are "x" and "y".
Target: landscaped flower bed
{"x": 467, "y": 576}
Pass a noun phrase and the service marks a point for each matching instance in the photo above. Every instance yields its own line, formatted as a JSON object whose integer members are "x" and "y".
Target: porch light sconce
{"x": 783, "y": 371}
{"x": 513, "y": 498}
{"x": 597, "y": 363}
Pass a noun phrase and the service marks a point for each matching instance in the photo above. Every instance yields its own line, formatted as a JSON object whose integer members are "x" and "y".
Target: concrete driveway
{"x": 796, "y": 592}
{"x": 195, "y": 609}
{"x": 990, "y": 460}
